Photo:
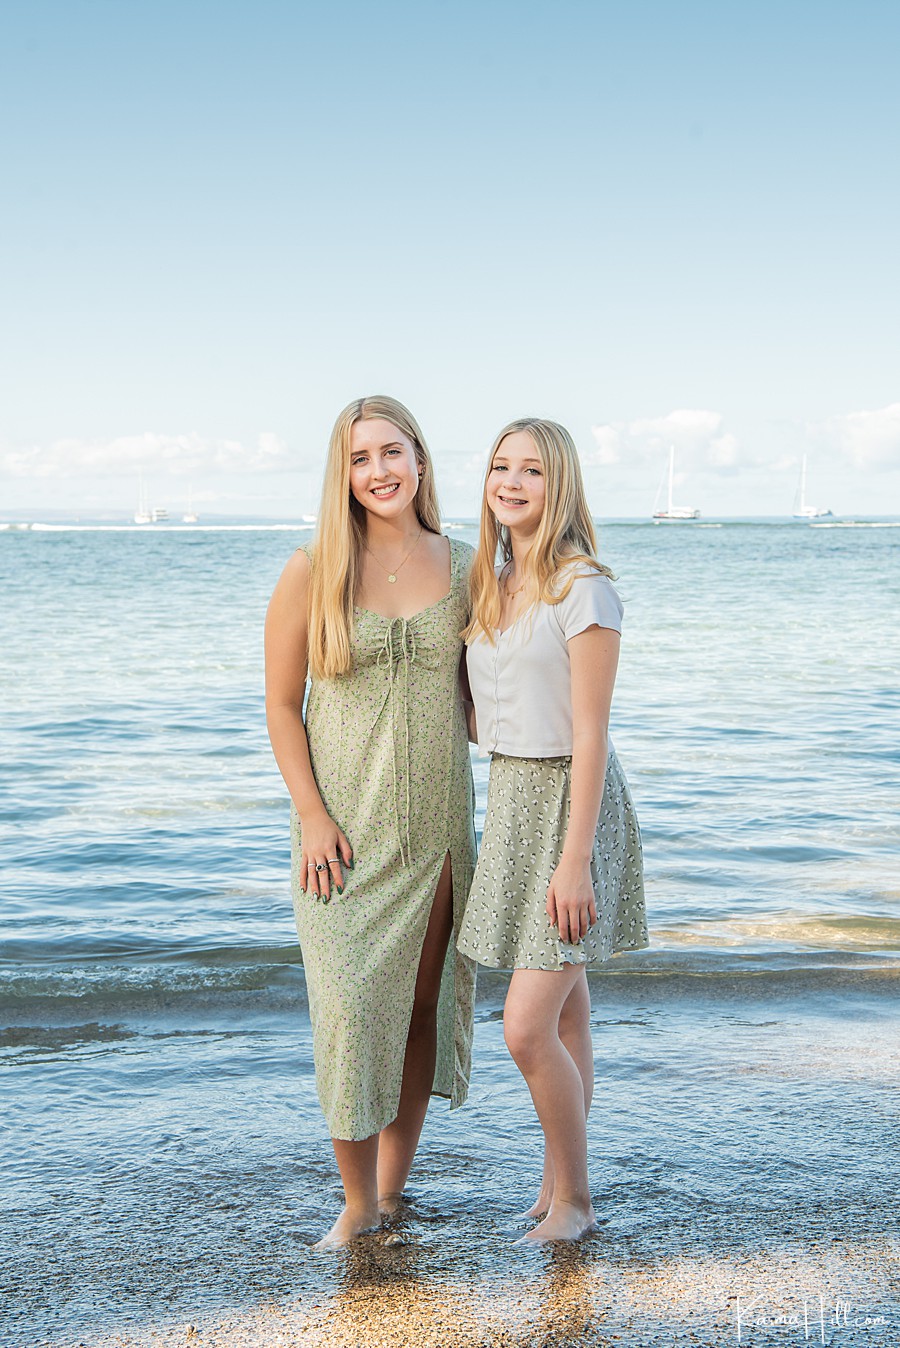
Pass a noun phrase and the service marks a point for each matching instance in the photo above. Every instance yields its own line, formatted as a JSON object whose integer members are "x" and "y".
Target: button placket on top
{"x": 497, "y": 648}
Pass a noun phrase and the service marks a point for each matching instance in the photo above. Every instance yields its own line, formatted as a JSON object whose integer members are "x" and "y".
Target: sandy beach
{"x": 828, "y": 1292}
{"x": 703, "y": 1228}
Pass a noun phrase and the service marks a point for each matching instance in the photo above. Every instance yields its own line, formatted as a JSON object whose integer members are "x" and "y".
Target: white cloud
{"x": 608, "y": 440}
{"x": 178, "y": 455}
{"x": 868, "y": 439}
{"x": 699, "y": 437}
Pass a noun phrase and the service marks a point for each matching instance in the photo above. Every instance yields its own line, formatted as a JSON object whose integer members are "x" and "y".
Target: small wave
{"x": 154, "y": 530}
{"x": 210, "y": 990}
{"x": 59, "y": 996}
{"x": 795, "y": 933}
{"x": 52, "y": 1038}
{"x": 88, "y": 953}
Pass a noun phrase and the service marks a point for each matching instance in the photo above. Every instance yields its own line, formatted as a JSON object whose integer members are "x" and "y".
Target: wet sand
{"x": 390, "y": 1297}
{"x": 742, "y": 1146}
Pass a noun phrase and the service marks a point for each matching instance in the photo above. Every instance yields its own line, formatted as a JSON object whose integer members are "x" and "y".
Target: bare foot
{"x": 389, "y": 1205}
{"x": 347, "y": 1226}
{"x": 540, "y": 1205}
{"x": 564, "y": 1221}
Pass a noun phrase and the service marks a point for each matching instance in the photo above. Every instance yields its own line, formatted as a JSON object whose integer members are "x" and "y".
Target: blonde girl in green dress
{"x": 559, "y": 881}
{"x": 382, "y": 802}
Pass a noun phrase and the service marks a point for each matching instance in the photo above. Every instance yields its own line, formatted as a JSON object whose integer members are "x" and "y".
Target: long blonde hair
{"x": 341, "y": 533}
{"x": 565, "y": 533}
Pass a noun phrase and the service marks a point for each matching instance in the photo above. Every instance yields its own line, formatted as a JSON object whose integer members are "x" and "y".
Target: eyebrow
{"x": 389, "y": 444}
{"x": 506, "y": 456}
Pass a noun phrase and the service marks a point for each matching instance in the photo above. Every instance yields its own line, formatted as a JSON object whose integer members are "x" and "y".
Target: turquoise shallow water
{"x": 151, "y": 994}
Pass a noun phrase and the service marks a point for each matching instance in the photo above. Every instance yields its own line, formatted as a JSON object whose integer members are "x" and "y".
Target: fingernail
{"x": 339, "y": 889}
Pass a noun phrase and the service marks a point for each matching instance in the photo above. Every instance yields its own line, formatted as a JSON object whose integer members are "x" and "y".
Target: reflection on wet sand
{"x": 570, "y": 1294}
{"x": 574, "y": 1296}
{"x": 712, "y": 1183}
{"x": 454, "y": 1293}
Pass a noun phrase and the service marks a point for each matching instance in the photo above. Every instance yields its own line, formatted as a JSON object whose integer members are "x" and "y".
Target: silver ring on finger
{"x": 320, "y": 866}
{"x": 332, "y": 861}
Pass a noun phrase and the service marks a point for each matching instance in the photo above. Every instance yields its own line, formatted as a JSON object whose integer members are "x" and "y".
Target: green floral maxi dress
{"x": 390, "y": 754}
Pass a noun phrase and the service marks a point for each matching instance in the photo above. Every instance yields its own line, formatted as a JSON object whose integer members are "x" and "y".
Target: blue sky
{"x": 655, "y": 222}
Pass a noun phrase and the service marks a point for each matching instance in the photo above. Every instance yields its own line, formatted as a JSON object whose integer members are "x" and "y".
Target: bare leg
{"x": 575, "y": 1035}
{"x": 398, "y": 1141}
{"x": 531, "y": 1020}
{"x": 356, "y": 1162}
{"x": 374, "y": 1171}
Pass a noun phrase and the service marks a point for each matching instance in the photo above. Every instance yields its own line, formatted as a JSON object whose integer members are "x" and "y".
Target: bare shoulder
{"x": 434, "y": 551}
{"x": 437, "y": 546}
{"x": 293, "y": 583}
{"x": 298, "y": 565}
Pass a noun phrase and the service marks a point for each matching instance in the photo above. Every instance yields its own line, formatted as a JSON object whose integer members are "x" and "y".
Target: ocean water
{"x": 158, "y": 1098}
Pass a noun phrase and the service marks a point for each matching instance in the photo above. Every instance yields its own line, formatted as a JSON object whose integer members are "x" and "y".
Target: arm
{"x": 286, "y": 671}
{"x": 465, "y": 693}
{"x": 593, "y": 658}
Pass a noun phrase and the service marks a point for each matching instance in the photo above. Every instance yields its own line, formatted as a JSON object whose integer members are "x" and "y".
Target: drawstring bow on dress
{"x": 398, "y": 651}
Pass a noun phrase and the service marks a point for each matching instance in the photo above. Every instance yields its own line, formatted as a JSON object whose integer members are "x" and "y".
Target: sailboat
{"x": 189, "y": 517}
{"x": 674, "y": 513}
{"x": 142, "y": 514}
{"x": 802, "y": 511}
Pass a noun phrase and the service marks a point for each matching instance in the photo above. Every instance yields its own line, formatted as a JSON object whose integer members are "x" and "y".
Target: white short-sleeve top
{"x": 521, "y": 684}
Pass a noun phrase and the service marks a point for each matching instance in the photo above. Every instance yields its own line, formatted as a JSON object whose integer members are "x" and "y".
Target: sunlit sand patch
{"x": 570, "y": 1297}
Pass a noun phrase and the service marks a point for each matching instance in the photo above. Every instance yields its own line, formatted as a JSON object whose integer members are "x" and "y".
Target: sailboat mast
{"x": 671, "y": 473}
{"x": 803, "y": 485}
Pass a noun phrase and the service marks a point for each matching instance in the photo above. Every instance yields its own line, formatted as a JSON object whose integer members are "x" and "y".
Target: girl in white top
{"x": 559, "y": 880}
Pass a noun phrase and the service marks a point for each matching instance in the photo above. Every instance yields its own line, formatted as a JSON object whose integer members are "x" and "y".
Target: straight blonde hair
{"x": 565, "y": 533}
{"x": 341, "y": 534}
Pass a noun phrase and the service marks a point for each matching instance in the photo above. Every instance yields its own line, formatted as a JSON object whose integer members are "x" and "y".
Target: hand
{"x": 570, "y": 900}
{"x": 323, "y": 844}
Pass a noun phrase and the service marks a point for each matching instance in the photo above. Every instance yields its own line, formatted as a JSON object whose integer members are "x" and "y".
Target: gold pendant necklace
{"x": 511, "y": 594}
{"x": 392, "y": 575}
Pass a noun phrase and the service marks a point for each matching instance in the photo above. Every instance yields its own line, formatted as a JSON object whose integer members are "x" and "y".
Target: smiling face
{"x": 384, "y": 471}
{"x": 515, "y": 484}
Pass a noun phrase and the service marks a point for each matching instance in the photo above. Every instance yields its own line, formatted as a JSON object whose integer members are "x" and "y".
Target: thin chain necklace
{"x": 392, "y": 575}
{"x": 511, "y": 594}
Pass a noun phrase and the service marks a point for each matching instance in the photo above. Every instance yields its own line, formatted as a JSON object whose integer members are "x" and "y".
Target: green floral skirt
{"x": 505, "y": 925}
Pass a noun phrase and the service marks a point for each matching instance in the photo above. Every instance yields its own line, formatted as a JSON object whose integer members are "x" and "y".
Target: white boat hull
{"x": 673, "y": 514}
